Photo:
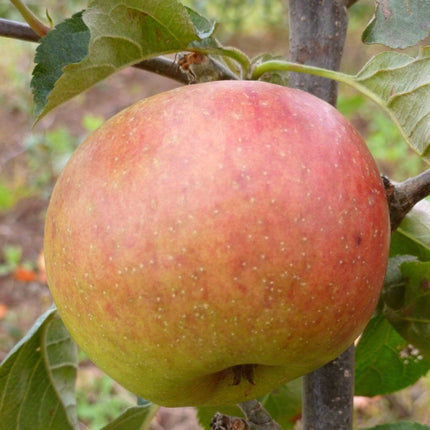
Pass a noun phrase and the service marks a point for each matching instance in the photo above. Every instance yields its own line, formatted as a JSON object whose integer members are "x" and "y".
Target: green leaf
{"x": 203, "y": 26}
{"x": 66, "y": 43}
{"x": 37, "y": 379}
{"x": 400, "y": 84}
{"x": 398, "y": 23}
{"x": 411, "y": 314}
{"x": 401, "y": 425}
{"x": 285, "y": 404}
{"x": 124, "y": 32}
{"x": 134, "y": 418}
{"x": 413, "y": 235}
{"x": 393, "y": 292}
{"x": 385, "y": 362}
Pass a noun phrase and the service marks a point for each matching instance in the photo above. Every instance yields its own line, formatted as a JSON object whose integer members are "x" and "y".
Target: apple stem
{"x": 403, "y": 196}
{"x": 235, "y": 54}
{"x": 38, "y": 26}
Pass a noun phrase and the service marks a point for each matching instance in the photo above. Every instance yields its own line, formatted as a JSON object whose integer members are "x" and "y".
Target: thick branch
{"x": 17, "y": 30}
{"x": 317, "y": 36}
{"x": 403, "y": 196}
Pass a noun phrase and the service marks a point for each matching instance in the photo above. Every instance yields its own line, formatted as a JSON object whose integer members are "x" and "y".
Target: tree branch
{"x": 17, "y": 30}
{"x": 317, "y": 37}
{"x": 403, "y": 196}
{"x": 209, "y": 70}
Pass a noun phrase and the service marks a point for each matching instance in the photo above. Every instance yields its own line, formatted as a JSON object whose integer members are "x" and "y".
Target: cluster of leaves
{"x": 37, "y": 377}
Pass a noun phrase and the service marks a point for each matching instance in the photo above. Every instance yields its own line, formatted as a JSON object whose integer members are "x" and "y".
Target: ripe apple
{"x": 210, "y": 243}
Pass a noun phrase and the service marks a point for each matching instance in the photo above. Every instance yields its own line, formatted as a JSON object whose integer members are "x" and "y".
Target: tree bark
{"x": 317, "y": 37}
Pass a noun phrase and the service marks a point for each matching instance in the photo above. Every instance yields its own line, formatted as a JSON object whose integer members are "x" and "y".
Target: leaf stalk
{"x": 344, "y": 78}
{"x": 33, "y": 21}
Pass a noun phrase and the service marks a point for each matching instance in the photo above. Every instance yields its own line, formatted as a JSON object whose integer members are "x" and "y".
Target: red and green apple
{"x": 210, "y": 243}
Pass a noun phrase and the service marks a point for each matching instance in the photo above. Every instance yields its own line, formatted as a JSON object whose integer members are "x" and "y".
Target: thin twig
{"x": 17, "y": 30}
{"x": 403, "y": 196}
{"x": 213, "y": 70}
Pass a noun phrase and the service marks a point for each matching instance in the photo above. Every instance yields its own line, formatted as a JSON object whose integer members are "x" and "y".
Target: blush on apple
{"x": 210, "y": 243}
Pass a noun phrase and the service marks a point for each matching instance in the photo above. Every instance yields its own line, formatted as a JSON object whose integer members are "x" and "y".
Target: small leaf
{"x": 385, "y": 362}
{"x": 203, "y": 26}
{"x": 66, "y": 43}
{"x": 398, "y": 23}
{"x": 37, "y": 378}
{"x": 393, "y": 292}
{"x": 413, "y": 235}
{"x": 411, "y": 315}
{"x": 134, "y": 418}
{"x": 401, "y": 425}
{"x": 400, "y": 84}
{"x": 285, "y": 404}
{"x": 124, "y": 32}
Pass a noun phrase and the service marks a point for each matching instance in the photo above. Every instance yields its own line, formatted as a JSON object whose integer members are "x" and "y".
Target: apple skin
{"x": 213, "y": 226}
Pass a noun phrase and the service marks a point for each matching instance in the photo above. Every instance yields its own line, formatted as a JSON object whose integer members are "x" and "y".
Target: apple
{"x": 210, "y": 243}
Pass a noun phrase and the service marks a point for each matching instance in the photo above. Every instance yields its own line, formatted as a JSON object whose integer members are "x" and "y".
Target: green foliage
{"x": 285, "y": 404}
{"x": 134, "y": 418}
{"x": 71, "y": 47}
{"x": 393, "y": 351}
{"x": 399, "y": 23}
{"x": 7, "y": 198}
{"x": 410, "y": 312}
{"x": 385, "y": 362}
{"x": 401, "y": 85}
{"x": 47, "y": 154}
{"x": 261, "y": 15}
{"x": 413, "y": 235}
{"x": 114, "y": 35}
{"x": 396, "y": 160}
{"x": 37, "y": 378}
{"x": 11, "y": 193}
{"x": 12, "y": 257}
{"x": 98, "y": 401}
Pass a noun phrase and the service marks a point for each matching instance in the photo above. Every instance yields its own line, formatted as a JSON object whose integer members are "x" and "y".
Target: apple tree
{"x": 104, "y": 209}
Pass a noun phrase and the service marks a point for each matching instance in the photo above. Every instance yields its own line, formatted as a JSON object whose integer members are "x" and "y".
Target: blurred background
{"x": 32, "y": 157}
